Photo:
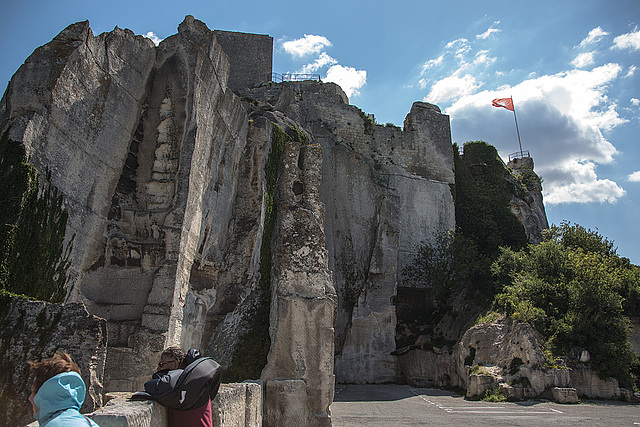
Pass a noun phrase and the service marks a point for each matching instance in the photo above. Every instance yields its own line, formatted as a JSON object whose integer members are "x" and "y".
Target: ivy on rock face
{"x": 251, "y": 353}
{"x": 34, "y": 258}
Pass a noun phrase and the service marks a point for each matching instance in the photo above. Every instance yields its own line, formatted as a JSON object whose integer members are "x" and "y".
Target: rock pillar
{"x": 298, "y": 379}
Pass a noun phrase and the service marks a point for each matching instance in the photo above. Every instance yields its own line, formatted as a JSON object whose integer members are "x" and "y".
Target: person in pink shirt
{"x": 185, "y": 383}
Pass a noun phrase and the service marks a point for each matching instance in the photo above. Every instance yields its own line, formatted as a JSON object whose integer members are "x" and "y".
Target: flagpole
{"x": 516, "y": 119}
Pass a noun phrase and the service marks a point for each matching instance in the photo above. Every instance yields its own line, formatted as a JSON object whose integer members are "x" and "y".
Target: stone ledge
{"x": 236, "y": 405}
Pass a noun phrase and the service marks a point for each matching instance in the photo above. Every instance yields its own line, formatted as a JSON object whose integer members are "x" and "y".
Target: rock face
{"x": 34, "y": 330}
{"x": 298, "y": 380}
{"x": 145, "y": 144}
{"x": 527, "y": 205}
{"x": 385, "y": 190}
{"x": 508, "y": 355}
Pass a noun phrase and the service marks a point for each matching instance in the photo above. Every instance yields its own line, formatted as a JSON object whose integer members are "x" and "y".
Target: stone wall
{"x": 34, "y": 330}
{"x": 235, "y": 405}
{"x": 250, "y": 56}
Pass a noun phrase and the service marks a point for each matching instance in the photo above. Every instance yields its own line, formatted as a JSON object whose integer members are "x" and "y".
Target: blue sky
{"x": 572, "y": 68}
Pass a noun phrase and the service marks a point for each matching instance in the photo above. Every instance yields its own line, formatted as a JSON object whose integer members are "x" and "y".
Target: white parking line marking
{"x": 485, "y": 409}
{"x": 502, "y": 412}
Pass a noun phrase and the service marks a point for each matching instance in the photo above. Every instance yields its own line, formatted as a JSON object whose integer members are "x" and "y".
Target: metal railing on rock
{"x": 292, "y": 77}
{"x": 519, "y": 155}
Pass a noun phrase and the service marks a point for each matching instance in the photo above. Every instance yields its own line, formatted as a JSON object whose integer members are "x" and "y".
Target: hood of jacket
{"x": 59, "y": 393}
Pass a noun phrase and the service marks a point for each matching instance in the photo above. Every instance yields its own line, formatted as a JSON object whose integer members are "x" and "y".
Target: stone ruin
{"x": 161, "y": 154}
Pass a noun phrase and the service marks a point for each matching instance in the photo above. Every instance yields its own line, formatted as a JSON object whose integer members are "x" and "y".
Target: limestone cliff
{"x": 145, "y": 143}
{"x": 385, "y": 190}
{"x": 165, "y": 174}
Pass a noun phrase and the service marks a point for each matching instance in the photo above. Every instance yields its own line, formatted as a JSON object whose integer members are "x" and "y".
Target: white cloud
{"x": 580, "y": 185}
{"x": 562, "y": 118}
{"x": 154, "y": 38}
{"x": 309, "y": 44}
{"x": 635, "y": 177}
{"x": 627, "y": 41}
{"x": 490, "y": 30}
{"x": 452, "y": 87}
{"x": 460, "y": 46}
{"x": 635, "y": 102}
{"x": 432, "y": 63}
{"x": 631, "y": 71}
{"x": 594, "y": 36}
{"x": 483, "y": 58}
{"x": 348, "y": 78}
{"x": 322, "y": 61}
{"x": 583, "y": 60}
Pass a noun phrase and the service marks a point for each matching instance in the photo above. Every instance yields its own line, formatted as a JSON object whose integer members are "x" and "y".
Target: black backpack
{"x": 184, "y": 389}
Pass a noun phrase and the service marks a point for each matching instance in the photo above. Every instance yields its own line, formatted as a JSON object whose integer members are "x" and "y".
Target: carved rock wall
{"x": 145, "y": 143}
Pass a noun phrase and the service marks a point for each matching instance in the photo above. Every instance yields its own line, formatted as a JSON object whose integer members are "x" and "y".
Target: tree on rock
{"x": 576, "y": 291}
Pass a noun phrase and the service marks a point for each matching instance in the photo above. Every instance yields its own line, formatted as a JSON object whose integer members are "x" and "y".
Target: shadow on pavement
{"x": 383, "y": 393}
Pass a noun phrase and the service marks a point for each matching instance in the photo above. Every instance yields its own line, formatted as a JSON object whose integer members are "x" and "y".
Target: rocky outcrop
{"x": 508, "y": 355}
{"x": 385, "y": 190}
{"x": 527, "y": 204}
{"x": 34, "y": 330}
{"x": 298, "y": 380}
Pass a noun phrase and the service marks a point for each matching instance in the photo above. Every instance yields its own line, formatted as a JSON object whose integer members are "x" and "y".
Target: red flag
{"x": 503, "y": 102}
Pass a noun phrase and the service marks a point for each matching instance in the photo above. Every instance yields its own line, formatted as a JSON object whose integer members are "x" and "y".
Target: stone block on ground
{"x": 564, "y": 395}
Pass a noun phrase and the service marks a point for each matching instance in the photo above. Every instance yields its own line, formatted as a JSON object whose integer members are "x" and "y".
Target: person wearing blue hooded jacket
{"x": 57, "y": 393}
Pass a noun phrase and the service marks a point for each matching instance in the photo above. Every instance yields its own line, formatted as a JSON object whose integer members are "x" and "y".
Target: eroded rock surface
{"x": 145, "y": 143}
{"x": 527, "y": 205}
{"x": 509, "y": 355}
{"x": 34, "y": 330}
{"x": 298, "y": 380}
{"x": 385, "y": 190}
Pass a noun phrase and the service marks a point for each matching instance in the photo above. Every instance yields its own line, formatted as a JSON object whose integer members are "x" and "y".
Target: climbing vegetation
{"x": 455, "y": 267}
{"x": 250, "y": 355}
{"x": 34, "y": 257}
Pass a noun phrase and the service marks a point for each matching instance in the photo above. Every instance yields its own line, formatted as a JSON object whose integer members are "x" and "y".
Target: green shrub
{"x": 494, "y": 394}
{"x": 572, "y": 288}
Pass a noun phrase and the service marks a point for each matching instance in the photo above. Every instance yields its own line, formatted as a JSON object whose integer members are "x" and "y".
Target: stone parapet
{"x": 236, "y": 405}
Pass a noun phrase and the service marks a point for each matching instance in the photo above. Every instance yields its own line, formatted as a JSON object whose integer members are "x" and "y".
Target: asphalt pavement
{"x": 400, "y": 405}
